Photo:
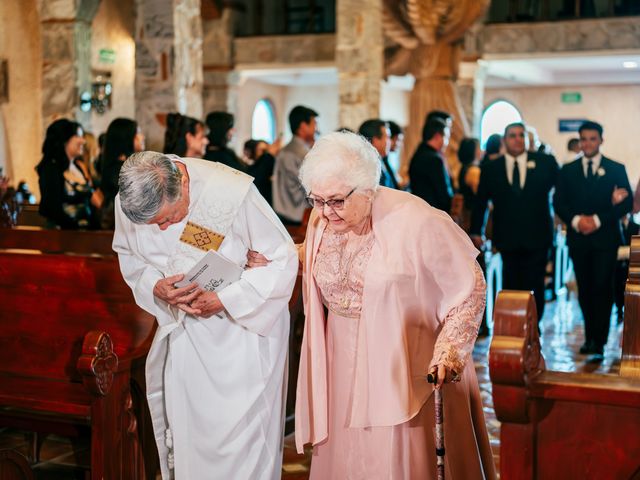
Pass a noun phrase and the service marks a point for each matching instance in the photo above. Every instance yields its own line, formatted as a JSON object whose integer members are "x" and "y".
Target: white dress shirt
{"x": 522, "y": 167}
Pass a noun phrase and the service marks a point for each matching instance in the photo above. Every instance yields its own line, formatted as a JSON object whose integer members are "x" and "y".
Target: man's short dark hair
{"x": 589, "y": 125}
{"x": 433, "y": 127}
{"x": 298, "y": 115}
{"x": 573, "y": 142}
{"x": 394, "y": 128}
{"x": 372, "y": 128}
{"x": 514, "y": 125}
{"x": 441, "y": 114}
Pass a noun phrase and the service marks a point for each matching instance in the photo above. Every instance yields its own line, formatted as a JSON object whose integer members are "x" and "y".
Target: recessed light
{"x": 630, "y": 64}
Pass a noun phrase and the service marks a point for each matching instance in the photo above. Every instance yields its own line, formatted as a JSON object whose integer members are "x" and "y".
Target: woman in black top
{"x": 185, "y": 136}
{"x": 65, "y": 191}
{"x": 123, "y": 138}
{"x": 261, "y": 168}
{"x": 469, "y": 154}
{"x": 220, "y": 126}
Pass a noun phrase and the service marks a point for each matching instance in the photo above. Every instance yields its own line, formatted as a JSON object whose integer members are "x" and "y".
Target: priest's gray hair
{"x": 148, "y": 180}
{"x": 342, "y": 156}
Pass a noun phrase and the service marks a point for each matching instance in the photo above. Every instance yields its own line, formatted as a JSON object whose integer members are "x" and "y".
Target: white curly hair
{"x": 341, "y": 156}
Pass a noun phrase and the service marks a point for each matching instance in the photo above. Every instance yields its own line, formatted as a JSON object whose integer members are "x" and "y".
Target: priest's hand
{"x": 206, "y": 304}
{"x": 180, "y": 297}
{"x": 255, "y": 259}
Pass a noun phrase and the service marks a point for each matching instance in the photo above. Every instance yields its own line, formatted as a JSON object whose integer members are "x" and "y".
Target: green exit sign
{"x": 107, "y": 55}
{"x": 571, "y": 97}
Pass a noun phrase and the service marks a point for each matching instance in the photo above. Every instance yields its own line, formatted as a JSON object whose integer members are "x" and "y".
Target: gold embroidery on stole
{"x": 200, "y": 237}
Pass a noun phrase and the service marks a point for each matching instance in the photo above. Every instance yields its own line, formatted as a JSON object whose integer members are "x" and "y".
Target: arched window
{"x": 263, "y": 122}
{"x": 497, "y": 116}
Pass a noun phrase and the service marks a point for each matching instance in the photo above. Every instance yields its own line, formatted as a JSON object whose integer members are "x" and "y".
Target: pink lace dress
{"x": 404, "y": 451}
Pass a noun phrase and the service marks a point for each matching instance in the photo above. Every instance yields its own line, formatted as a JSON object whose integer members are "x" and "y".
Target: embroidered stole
{"x": 210, "y": 215}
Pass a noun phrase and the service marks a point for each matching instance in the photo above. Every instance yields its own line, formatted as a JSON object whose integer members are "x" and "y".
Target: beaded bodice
{"x": 339, "y": 270}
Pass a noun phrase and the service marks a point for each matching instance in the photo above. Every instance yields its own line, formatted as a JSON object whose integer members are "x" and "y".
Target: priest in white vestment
{"x": 216, "y": 369}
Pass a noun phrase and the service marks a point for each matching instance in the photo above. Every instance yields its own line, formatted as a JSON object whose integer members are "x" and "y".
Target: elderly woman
{"x": 392, "y": 292}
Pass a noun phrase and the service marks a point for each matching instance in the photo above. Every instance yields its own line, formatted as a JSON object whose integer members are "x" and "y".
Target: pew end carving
{"x": 557, "y": 425}
{"x": 98, "y": 362}
{"x": 73, "y": 345}
{"x": 630, "y": 365}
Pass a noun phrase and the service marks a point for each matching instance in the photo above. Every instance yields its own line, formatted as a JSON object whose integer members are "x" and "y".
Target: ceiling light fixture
{"x": 630, "y": 64}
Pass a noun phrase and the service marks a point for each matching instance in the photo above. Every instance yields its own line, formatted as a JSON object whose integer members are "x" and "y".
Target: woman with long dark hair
{"x": 123, "y": 138}
{"x": 220, "y": 126}
{"x": 67, "y": 199}
{"x": 185, "y": 136}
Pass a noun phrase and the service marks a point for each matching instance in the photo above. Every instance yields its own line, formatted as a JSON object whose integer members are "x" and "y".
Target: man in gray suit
{"x": 288, "y": 194}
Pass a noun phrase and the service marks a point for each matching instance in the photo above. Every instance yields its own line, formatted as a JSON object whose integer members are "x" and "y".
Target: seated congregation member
{"x": 428, "y": 174}
{"x": 518, "y": 184}
{"x": 220, "y": 125}
{"x": 288, "y": 194}
{"x": 262, "y": 160}
{"x": 67, "y": 199}
{"x": 185, "y": 136}
{"x": 122, "y": 139}
{"x": 493, "y": 149}
{"x": 377, "y": 133}
{"x": 587, "y": 202}
{"x": 469, "y": 154}
{"x": 216, "y": 368}
{"x": 398, "y": 307}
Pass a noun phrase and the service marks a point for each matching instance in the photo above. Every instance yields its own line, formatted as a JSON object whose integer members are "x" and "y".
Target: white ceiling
{"x": 562, "y": 70}
{"x": 501, "y": 72}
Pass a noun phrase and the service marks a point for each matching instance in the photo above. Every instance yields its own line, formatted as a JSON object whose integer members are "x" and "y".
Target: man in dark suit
{"x": 586, "y": 203}
{"x": 376, "y": 131}
{"x": 428, "y": 174}
{"x": 518, "y": 184}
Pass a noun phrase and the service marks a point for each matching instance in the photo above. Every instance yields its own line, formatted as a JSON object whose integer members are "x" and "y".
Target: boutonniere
{"x": 601, "y": 172}
{"x": 531, "y": 164}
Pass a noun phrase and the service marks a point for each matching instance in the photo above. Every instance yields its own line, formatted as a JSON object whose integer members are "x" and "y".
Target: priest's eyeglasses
{"x": 333, "y": 204}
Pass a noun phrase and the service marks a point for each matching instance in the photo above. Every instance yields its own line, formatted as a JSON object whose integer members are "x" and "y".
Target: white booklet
{"x": 213, "y": 272}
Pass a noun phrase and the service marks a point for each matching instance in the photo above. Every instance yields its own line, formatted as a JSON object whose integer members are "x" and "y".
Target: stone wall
{"x": 574, "y": 36}
{"x": 285, "y": 50}
{"x": 21, "y": 115}
{"x": 168, "y": 64}
{"x": 113, "y": 30}
{"x": 217, "y": 61}
{"x": 360, "y": 60}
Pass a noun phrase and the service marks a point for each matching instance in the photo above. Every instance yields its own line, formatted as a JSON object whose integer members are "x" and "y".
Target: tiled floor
{"x": 562, "y": 335}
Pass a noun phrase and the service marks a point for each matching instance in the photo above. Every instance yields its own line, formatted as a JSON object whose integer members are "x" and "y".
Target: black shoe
{"x": 586, "y": 348}
{"x": 595, "y": 358}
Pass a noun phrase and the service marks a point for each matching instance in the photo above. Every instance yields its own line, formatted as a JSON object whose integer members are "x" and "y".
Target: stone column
{"x": 66, "y": 58}
{"x": 218, "y": 62}
{"x": 168, "y": 38}
{"x": 360, "y": 60}
{"x": 470, "y": 87}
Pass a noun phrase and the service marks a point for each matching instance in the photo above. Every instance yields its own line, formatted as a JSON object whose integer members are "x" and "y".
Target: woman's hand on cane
{"x": 439, "y": 375}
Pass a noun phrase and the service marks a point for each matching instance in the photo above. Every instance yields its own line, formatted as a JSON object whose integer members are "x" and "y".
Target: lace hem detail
{"x": 456, "y": 340}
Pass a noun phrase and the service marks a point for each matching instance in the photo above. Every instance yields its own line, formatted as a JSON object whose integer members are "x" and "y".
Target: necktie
{"x": 515, "y": 179}
{"x": 590, "y": 175}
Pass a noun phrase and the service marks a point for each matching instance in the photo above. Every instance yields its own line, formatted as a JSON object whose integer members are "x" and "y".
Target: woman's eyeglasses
{"x": 333, "y": 204}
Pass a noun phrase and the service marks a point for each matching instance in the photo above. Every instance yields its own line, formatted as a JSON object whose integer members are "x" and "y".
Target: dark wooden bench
{"x": 78, "y": 242}
{"x": 72, "y": 350}
{"x": 558, "y": 425}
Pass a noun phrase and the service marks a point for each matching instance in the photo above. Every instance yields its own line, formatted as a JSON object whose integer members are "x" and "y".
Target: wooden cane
{"x": 433, "y": 378}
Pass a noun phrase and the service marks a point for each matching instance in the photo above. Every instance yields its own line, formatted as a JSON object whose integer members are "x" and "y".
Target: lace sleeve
{"x": 456, "y": 339}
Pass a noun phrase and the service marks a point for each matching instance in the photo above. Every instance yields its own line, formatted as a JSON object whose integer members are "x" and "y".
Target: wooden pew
{"x": 558, "y": 425}
{"x": 83, "y": 242}
{"x": 72, "y": 350}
